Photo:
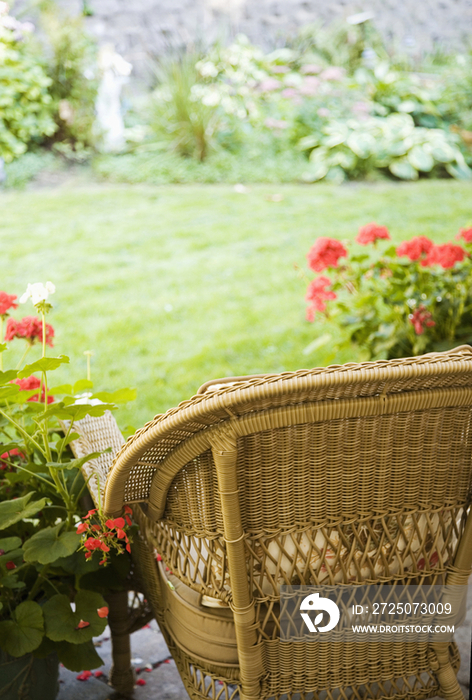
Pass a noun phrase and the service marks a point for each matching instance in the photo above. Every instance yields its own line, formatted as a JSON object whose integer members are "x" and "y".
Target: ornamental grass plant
{"x": 393, "y": 301}
{"x": 51, "y": 594}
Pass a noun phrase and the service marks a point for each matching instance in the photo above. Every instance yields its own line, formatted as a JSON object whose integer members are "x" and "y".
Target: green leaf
{"x": 407, "y": 106}
{"x": 24, "y": 632}
{"x": 403, "y": 169}
{"x": 63, "y": 442}
{"x": 420, "y": 159}
{"x": 82, "y": 385}
{"x": 361, "y": 144}
{"x": 335, "y": 175}
{"x": 14, "y": 555}
{"x": 45, "y": 648}
{"x": 308, "y": 142}
{"x": 316, "y": 172}
{"x": 8, "y": 544}
{"x": 43, "y": 365}
{"x": 10, "y": 390}
{"x": 61, "y": 621}
{"x": 3, "y": 347}
{"x": 18, "y": 509}
{"x": 76, "y": 411}
{"x": 11, "y": 581}
{"x": 78, "y": 565}
{"x": 6, "y": 377}
{"x": 49, "y": 544}
{"x": 460, "y": 172}
{"x": 443, "y": 153}
{"x": 119, "y": 396}
{"x": 61, "y": 389}
{"x": 76, "y": 463}
{"x": 76, "y": 657}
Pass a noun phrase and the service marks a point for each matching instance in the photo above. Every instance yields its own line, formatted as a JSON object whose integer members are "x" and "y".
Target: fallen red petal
{"x": 140, "y": 681}
{"x": 84, "y": 676}
{"x": 102, "y": 612}
{"x": 82, "y": 624}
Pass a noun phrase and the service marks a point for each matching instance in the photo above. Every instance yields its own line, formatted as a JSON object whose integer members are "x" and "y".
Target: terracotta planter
{"x": 27, "y": 678}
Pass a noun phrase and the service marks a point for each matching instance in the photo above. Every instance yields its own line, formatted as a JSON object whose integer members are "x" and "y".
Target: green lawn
{"x": 171, "y": 286}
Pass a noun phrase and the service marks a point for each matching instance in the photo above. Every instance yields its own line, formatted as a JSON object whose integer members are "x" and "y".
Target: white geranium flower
{"x": 38, "y": 292}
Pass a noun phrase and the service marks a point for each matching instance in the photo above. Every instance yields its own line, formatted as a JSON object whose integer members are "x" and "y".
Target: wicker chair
{"x": 353, "y": 474}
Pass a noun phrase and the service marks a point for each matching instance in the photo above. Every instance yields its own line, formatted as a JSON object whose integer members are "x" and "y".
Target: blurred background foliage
{"x": 336, "y": 103}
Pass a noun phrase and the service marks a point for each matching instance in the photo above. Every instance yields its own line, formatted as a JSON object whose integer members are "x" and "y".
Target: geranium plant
{"x": 392, "y": 301}
{"x": 50, "y": 598}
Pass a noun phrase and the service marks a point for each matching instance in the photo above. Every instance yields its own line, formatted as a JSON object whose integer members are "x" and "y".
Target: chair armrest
{"x": 96, "y": 434}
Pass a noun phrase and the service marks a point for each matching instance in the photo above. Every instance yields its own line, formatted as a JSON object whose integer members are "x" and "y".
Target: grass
{"x": 171, "y": 286}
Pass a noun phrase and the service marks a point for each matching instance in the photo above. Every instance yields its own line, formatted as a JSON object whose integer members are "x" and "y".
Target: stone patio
{"x": 155, "y": 666}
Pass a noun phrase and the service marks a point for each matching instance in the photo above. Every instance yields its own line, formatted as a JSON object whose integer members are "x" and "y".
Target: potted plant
{"x": 51, "y": 604}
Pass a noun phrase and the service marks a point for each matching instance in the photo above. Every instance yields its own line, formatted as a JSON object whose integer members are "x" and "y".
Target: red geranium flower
{"x": 325, "y": 253}
{"x": 30, "y": 328}
{"x": 421, "y": 318}
{"x": 317, "y": 294}
{"x": 371, "y": 232}
{"x": 7, "y": 301}
{"x": 445, "y": 255}
{"x": 30, "y": 383}
{"x": 8, "y": 455}
{"x": 465, "y": 234}
{"x": 416, "y": 248}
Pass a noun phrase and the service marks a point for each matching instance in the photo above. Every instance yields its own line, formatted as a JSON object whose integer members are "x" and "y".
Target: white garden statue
{"x": 114, "y": 71}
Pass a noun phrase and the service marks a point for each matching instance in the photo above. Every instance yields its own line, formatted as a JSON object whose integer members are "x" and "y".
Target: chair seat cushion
{"x": 205, "y": 633}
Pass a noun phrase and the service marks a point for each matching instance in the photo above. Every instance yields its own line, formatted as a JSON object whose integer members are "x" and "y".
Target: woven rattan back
{"x": 358, "y": 473}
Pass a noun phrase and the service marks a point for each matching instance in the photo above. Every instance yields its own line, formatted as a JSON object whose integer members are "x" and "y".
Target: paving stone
{"x": 163, "y": 683}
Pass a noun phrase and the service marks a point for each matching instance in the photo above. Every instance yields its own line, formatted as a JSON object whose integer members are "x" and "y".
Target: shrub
{"x": 71, "y": 67}
{"x": 26, "y": 106}
{"x": 181, "y": 113}
{"x": 353, "y": 148}
{"x": 394, "y": 302}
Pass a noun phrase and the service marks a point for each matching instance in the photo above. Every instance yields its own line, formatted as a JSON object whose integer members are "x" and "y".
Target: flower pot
{"x": 28, "y": 678}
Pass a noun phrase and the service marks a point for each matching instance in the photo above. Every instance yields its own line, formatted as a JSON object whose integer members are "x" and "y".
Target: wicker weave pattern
{"x": 96, "y": 434}
{"x": 353, "y": 474}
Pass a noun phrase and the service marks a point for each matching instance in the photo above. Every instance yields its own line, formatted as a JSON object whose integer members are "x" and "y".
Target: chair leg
{"x": 447, "y": 679}
{"x": 122, "y": 675}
